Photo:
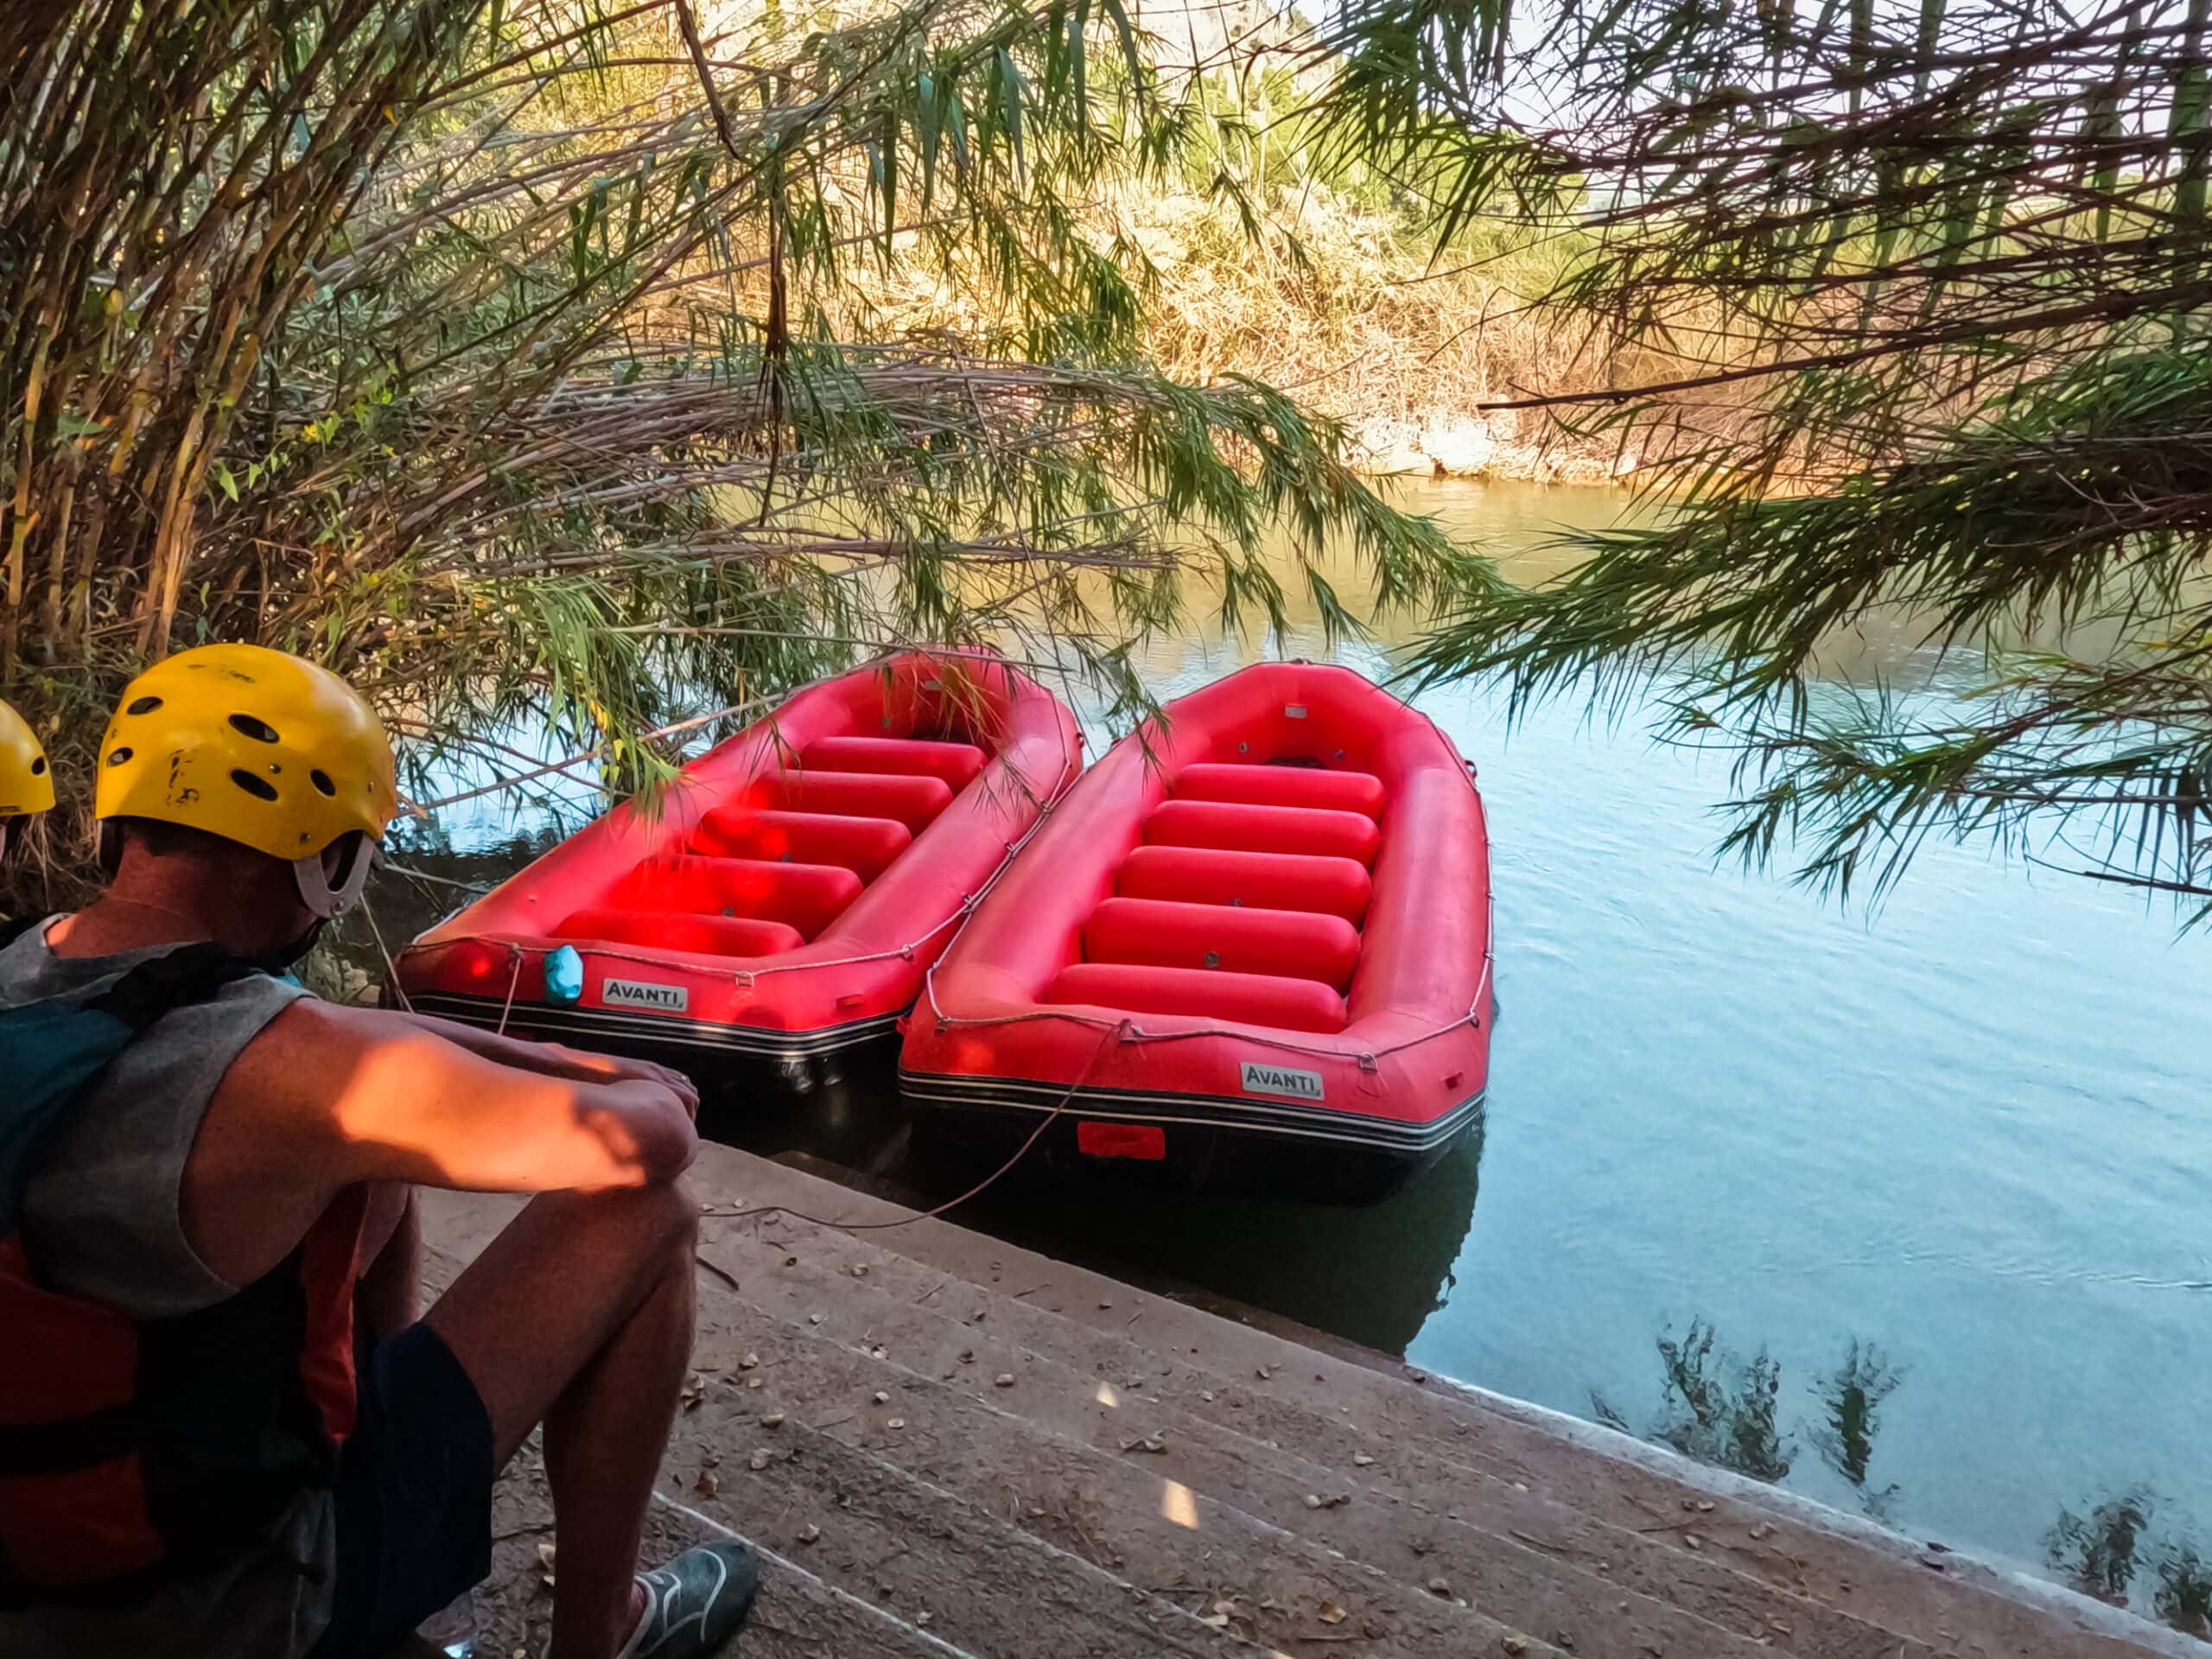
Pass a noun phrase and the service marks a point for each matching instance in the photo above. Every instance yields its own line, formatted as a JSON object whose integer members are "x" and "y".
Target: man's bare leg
{"x": 579, "y": 1316}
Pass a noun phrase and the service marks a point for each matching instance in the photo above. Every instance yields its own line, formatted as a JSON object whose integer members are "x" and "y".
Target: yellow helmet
{"x": 26, "y": 781}
{"x": 251, "y": 745}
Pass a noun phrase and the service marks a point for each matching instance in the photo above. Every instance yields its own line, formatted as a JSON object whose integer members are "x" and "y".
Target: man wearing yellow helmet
{"x": 223, "y": 1426}
{"x": 26, "y": 782}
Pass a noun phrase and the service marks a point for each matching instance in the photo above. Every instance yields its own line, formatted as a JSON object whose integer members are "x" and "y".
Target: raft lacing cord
{"x": 391, "y": 973}
{"x": 1136, "y": 1035}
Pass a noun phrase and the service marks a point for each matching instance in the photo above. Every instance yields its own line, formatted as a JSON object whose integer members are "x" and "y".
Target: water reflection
{"x": 1716, "y": 1406}
{"x": 2183, "y": 1596}
{"x": 1373, "y": 1274}
{"x": 1852, "y": 1394}
{"x": 1725, "y": 1408}
{"x": 2104, "y": 1552}
{"x": 2096, "y": 1553}
{"x": 1721, "y": 1409}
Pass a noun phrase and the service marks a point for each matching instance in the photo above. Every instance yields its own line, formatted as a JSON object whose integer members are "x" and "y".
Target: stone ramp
{"x": 945, "y": 1444}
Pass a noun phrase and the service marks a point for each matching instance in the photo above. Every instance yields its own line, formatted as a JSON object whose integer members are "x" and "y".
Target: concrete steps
{"x": 1152, "y": 1478}
{"x": 797, "y": 1616}
{"x": 1133, "y": 1416}
{"x": 1416, "y": 1511}
{"x": 1091, "y": 1490}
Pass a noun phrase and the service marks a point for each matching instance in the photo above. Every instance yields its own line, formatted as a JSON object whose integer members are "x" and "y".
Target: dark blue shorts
{"x": 414, "y": 1494}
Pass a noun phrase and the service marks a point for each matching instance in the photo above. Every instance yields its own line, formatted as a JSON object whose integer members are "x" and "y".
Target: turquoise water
{"x": 1929, "y": 1188}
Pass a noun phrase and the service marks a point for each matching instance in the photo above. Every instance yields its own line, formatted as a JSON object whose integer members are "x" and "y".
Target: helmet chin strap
{"x": 313, "y": 879}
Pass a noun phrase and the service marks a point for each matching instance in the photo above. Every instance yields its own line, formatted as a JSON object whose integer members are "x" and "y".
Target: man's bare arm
{"x": 393, "y": 1101}
{"x": 553, "y": 1060}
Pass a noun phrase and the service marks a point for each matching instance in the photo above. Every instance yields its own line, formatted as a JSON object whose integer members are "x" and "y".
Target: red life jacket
{"x": 134, "y": 1449}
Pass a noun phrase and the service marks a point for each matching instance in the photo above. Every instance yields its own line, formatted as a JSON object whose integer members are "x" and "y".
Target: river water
{"x": 1907, "y": 1211}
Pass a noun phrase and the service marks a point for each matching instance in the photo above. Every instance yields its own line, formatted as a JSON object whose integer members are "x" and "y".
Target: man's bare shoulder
{"x": 308, "y": 1040}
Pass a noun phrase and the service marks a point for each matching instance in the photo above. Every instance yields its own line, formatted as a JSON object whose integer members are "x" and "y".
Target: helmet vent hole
{"x": 118, "y": 757}
{"x": 38, "y": 767}
{"x": 261, "y": 788}
{"x": 321, "y": 780}
{"x": 259, "y": 730}
{"x": 143, "y": 706}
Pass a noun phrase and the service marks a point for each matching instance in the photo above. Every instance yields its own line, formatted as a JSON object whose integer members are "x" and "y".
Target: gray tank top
{"x": 101, "y": 1221}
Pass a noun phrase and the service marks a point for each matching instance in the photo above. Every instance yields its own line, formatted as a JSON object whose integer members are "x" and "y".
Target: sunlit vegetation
{"x": 536, "y": 362}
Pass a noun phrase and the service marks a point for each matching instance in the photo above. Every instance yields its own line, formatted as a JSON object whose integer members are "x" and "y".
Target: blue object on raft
{"x": 564, "y": 974}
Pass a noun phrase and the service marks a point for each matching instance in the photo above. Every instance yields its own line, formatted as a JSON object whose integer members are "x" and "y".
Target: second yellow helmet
{"x": 26, "y": 780}
{"x": 250, "y": 744}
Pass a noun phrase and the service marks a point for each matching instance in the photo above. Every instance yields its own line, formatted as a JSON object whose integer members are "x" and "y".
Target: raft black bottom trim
{"x": 1237, "y": 1116}
{"x": 584, "y": 1026}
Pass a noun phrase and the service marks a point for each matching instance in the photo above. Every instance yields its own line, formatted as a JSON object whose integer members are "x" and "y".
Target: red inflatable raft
{"x": 784, "y": 897}
{"x": 1252, "y": 947}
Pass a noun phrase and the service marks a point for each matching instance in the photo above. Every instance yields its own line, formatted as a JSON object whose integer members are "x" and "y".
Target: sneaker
{"x": 695, "y": 1604}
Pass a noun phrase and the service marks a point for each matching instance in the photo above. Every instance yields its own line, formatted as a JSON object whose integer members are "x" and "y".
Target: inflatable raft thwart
{"x": 783, "y": 899}
{"x": 1250, "y": 947}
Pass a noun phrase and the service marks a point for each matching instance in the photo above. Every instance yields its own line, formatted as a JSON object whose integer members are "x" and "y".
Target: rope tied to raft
{"x": 1120, "y": 1031}
{"x": 1066, "y": 1101}
{"x": 391, "y": 974}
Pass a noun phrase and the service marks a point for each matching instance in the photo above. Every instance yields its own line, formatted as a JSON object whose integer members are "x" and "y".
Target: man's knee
{"x": 651, "y": 1219}
{"x": 640, "y": 1221}
{"x": 677, "y": 1211}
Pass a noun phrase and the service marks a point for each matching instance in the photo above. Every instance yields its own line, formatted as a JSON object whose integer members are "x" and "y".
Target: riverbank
{"x": 946, "y": 1444}
{"x": 1469, "y": 446}
{"x": 1345, "y": 303}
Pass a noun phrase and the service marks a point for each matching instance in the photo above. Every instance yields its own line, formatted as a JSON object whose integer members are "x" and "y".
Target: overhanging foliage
{"x": 543, "y": 359}
{"x": 1930, "y": 286}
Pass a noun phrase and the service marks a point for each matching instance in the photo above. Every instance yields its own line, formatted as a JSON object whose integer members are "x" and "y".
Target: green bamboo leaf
{"x": 955, "y": 125}
{"x": 889, "y": 174}
{"x": 1010, "y": 91}
{"x": 1076, "y": 18}
{"x": 928, "y": 124}
{"x": 1130, "y": 54}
